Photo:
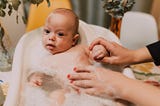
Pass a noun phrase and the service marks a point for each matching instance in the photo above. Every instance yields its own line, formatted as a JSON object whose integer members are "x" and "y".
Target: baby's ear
{"x": 75, "y": 39}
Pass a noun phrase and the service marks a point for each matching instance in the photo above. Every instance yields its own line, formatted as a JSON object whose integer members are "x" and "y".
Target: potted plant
{"x": 117, "y": 8}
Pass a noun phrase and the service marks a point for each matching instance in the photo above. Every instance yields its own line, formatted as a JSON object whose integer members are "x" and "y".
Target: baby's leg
{"x": 57, "y": 97}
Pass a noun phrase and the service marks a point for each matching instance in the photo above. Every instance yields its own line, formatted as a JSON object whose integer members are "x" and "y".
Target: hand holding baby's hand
{"x": 98, "y": 52}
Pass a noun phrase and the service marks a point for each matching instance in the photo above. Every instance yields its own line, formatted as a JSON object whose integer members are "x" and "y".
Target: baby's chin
{"x": 50, "y": 50}
{"x": 54, "y": 52}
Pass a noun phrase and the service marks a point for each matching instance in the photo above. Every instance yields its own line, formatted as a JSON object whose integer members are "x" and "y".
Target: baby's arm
{"x": 98, "y": 52}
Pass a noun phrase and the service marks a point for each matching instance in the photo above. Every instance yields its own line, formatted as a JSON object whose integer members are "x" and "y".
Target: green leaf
{"x": 2, "y": 13}
{"x": 24, "y": 20}
{"x": 49, "y": 3}
{"x": 10, "y": 9}
{"x": 17, "y": 19}
{"x": 36, "y": 1}
{"x": 1, "y": 33}
{"x": 2, "y": 4}
{"x": 15, "y": 4}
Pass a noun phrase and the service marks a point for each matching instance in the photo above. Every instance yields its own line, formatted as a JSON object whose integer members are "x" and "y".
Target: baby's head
{"x": 60, "y": 31}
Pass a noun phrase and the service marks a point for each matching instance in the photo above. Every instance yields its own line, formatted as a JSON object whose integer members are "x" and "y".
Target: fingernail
{"x": 74, "y": 69}
{"x": 71, "y": 81}
{"x": 68, "y": 76}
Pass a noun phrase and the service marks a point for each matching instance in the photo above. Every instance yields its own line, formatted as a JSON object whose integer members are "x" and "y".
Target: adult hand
{"x": 106, "y": 83}
{"x": 97, "y": 81}
{"x": 117, "y": 54}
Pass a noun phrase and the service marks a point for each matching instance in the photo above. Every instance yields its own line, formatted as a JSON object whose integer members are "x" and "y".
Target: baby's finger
{"x": 99, "y": 57}
{"x": 96, "y": 53}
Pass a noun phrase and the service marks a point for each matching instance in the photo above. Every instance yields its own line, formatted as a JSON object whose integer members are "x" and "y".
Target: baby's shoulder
{"x": 81, "y": 48}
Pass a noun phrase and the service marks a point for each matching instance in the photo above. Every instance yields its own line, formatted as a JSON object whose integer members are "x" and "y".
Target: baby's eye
{"x": 60, "y": 34}
{"x": 46, "y": 31}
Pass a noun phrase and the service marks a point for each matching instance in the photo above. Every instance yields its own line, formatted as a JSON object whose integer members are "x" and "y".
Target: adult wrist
{"x": 121, "y": 87}
{"x": 126, "y": 89}
{"x": 133, "y": 57}
{"x": 141, "y": 55}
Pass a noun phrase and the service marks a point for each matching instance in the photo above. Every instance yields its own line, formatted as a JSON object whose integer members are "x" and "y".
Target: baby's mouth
{"x": 50, "y": 46}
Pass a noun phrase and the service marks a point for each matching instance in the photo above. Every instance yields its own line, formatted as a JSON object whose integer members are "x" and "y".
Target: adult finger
{"x": 80, "y": 76}
{"x": 87, "y": 69}
{"x": 80, "y": 69}
{"x": 109, "y": 60}
{"x": 83, "y": 83}
{"x": 96, "y": 42}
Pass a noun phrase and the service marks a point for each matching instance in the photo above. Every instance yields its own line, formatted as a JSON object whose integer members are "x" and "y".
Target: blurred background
{"x": 90, "y": 11}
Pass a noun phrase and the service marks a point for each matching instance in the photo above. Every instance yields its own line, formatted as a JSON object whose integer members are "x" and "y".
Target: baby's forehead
{"x": 70, "y": 16}
{"x": 64, "y": 11}
{"x": 65, "y": 14}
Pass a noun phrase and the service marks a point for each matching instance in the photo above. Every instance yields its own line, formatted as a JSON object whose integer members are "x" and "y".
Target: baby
{"x": 60, "y": 39}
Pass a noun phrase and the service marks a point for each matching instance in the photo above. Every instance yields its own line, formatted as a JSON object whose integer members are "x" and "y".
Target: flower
{"x": 117, "y": 8}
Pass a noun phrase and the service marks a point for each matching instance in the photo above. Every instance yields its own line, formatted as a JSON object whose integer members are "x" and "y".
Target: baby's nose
{"x": 52, "y": 37}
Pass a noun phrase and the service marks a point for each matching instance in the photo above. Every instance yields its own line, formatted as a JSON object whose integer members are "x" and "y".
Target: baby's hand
{"x": 98, "y": 52}
{"x": 36, "y": 79}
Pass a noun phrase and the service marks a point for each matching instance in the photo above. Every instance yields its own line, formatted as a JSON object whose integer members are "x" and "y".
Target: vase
{"x": 115, "y": 26}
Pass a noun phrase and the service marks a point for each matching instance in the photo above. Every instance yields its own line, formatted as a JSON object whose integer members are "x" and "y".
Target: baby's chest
{"x": 63, "y": 62}
{"x": 61, "y": 65}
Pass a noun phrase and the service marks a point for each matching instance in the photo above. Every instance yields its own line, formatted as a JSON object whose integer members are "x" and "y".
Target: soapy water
{"x": 39, "y": 96}
{"x": 53, "y": 81}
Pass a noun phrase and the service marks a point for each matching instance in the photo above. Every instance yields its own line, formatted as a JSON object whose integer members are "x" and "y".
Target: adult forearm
{"x": 140, "y": 93}
{"x": 141, "y": 55}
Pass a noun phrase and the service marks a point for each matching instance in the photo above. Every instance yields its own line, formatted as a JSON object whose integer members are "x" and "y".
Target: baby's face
{"x": 58, "y": 33}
